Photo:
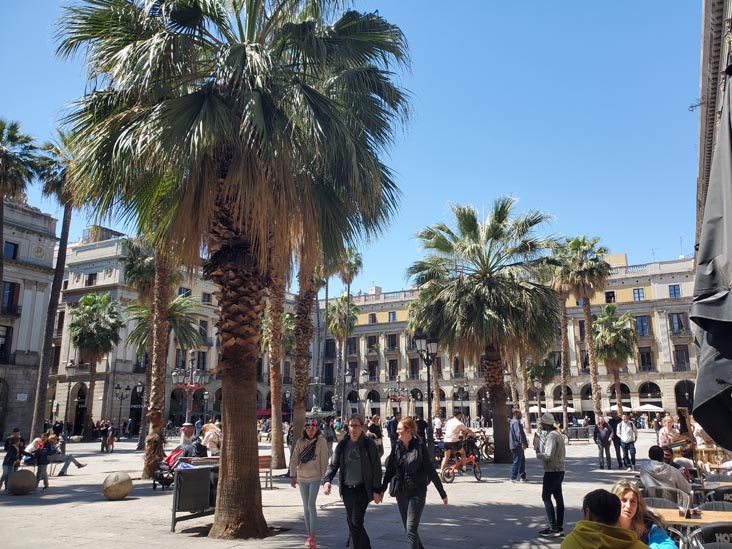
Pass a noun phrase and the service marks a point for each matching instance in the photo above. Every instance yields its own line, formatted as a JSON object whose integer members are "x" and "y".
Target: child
{"x": 11, "y": 461}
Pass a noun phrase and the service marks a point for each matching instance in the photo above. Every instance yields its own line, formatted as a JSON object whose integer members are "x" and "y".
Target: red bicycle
{"x": 472, "y": 459}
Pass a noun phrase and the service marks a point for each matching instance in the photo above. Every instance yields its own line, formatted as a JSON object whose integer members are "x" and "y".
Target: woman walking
{"x": 307, "y": 466}
{"x": 375, "y": 432}
{"x": 409, "y": 471}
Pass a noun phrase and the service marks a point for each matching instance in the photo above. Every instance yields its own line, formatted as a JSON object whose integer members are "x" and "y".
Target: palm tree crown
{"x": 614, "y": 341}
{"x": 19, "y": 160}
{"x": 95, "y": 325}
{"x": 479, "y": 292}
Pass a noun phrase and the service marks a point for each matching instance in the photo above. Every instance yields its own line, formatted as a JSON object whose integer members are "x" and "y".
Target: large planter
{"x": 117, "y": 486}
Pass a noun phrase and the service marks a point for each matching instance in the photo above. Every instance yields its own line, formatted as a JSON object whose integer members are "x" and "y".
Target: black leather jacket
{"x": 411, "y": 469}
{"x": 370, "y": 465}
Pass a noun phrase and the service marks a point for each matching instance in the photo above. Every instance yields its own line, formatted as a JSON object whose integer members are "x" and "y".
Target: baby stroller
{"x": 163, "y": 475}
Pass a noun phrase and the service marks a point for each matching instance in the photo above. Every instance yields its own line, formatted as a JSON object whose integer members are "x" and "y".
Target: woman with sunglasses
{"x": 410, "y": 469}
{"x": 308, "y": 463}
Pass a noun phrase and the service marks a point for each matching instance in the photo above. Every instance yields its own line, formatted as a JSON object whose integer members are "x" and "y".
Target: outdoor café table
{"x": 701, "y": 490}
{"x": 671, "y": 516}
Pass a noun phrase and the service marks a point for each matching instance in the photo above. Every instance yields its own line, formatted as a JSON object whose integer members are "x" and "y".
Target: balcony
{"x": 392, "y": 377}
{"x": 458, "y": 375}
{"x": 207, "y": 341}
{"x": 372, "y": 350}
{"x": 682, "y": 367}
{"x": 680, "y": 334}
{"x": 413, "y": 376}
{"x": 645, "y": 335}
{"x": 11, "y": 310}
{"x": 373, "y": 378}
{"x": 645, "y": 368}
{"x": 392, "y": 350}
{"x": 328, "y": 380}
{"x": 138, "y": 368}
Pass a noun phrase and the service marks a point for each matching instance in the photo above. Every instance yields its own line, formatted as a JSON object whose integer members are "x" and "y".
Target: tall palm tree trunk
{"x": 339, "y": 372}
{"x": 274, "y": 326}
{"x": 144, "y": 421}
{"x": 493, "y": 367}
{"x": 345, "y": 355}
{"x": 525, "y": 404}
{"x": 47, "y": 354}
{"x": 303, "y": 337}
{"x": 565, "y": 357}
{"x": 615, "y": 368}
{"x": 596, "y": 397}
{"x": 234, "y": 267}
{"x": 155, "y": 439}
{"x": 436, "y": 403}
{"x": 88, "y": 413}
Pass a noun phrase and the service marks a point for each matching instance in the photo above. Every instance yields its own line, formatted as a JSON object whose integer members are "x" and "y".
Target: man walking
{"x": 603, "y": 435}
{"x": 517, "y": 443}
{"x": 627, "y": 433}
{"x": 356, "y": 460}
{"x": 613, "y": 422}
{"x": 391, "y": 428}
{"x": 552, "y": 458}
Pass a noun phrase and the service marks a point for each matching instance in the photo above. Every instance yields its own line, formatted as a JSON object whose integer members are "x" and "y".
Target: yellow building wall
{"x": 622, "y": 295}
{"x": 382, "y": 317}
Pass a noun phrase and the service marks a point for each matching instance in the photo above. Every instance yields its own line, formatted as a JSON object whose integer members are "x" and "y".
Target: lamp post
{"x": 121, "y": 394}
{"x": 288, "y": 398}
{"x": 427, "y": 349}
{"x": 398, "y": 393}
{"x": 537, "y": 386}
{"x": 190, "y": 380}
{"x": 206, "y": 396}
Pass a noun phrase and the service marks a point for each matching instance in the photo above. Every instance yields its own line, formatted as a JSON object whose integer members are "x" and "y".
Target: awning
{"x": 711, "y": 309}
{"x": 570, "y": 410}
{"x": 648, "y": 408}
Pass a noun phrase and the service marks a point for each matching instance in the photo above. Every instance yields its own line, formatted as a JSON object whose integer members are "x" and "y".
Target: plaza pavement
{"x": 494, "y": 513}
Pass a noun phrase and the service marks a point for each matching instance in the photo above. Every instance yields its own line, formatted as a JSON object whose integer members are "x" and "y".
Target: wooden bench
{"x": 265, "y": 468}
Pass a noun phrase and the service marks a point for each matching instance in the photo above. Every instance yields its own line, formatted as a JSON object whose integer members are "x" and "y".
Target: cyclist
{"x": 454, "y": 428}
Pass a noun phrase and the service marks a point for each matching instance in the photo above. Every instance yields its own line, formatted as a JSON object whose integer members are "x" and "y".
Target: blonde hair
{"x": 643, "y": 514}
{"x": 410, "y": 424}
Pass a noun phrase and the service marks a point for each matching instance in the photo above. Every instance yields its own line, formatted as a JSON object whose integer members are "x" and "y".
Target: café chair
{"x": 661, "y": 503}
{"x": 721, "y": 494}
{"x": 716, "y": 506}
{"x": 682, "y": 499}
{"x": 717, "y": 478}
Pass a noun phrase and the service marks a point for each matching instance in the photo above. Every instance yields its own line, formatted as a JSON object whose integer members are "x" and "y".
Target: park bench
{"x": 194, "y": 492}
{"x": 578, "y": 433}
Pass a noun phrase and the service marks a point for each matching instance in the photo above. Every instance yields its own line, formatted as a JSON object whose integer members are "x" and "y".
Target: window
{"x": 581, "y": 330}
{"x": 328, "y": 373}
{"x": 91, "y": 279}
{"x": 392, "y": 342}
{"x": 392, "y": 316}
{"x": 185, "y": 292}
{"x": 414, "y": 369}
{"x": 584, "y": 361}
{"x": 557, "y": 360}
{"x": 438, "y": 366}
{"x": 371, "y": 342}
{"x": 66, "y": 284}
{"x": 373, "y": 367}
{"x": 639, "y": 294}
{"x": 353, "y": 370}
{"x": 681, "y": 358}
{"x": 674, "y": 291}
{"x": 202, "y": 360}
{"x": 393, "y": 370}
{"x": 609, "y": 297}
{"x": 11, "y": 293}
{"x": 206, "y": 297}
{"x": 330, "y": 348}
{"x": 179, "y": 359}
{"x": 457, "y": 368}
{"x": 351, "y": 346}
{"x": 203, "y": 328}
{"x": 10, "y": 251}
{"x": 6, "y": 338}
{"x": 645, "y": 359}
{"x": 643, "y": 326}
{"x": 372, "y": 318}
{"x": 286, "y": 374}
{"x": 677, "y": 322}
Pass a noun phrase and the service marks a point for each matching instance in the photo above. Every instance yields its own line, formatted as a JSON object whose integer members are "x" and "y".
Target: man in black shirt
{"x": 613, "y": 423}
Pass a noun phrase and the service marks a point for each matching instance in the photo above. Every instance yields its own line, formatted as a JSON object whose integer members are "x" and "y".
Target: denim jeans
{"x": 66, "y": 459}
{"x": 42, "y": 475}
{"x": 628, "y": 450}
{"x": 356, "y": 500}
{"x": 518, "y": 469}
{"x": 606, "y": 450}
{"x": 616, "y": 443}
{"x": 309, "y": 493}
{"x": 410, "y": 508}
{"x": 552, "y": 486}
{"x": 8, "y": 471}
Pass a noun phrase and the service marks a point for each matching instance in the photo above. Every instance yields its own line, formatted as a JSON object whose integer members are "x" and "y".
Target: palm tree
{"x": 19, "y": 162}
{"x": 350, "y": 266}
{"x": 243, "y": 118}
{"x": 560, "y": 282}
{"x": 138, "y": 266}
{"x": 273, "y": 337}
{"x": 477, "y": 285}
{"x": 342, "y": 315}
{"x": 94, "y": 331}
{"x": 306, "y": 298}
{"x": 587, "y": 274}
{"x": 614, "y": 340}
{"x": 54, "y": 172}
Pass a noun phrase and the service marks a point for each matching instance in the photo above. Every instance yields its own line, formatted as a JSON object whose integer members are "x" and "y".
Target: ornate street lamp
{"x": 121, "y": 394}
{"x": 537, "y": 386}
{"x": 190, "y": 380}
{"x": 206, "y": 396}
{"x": 427, "y": 349}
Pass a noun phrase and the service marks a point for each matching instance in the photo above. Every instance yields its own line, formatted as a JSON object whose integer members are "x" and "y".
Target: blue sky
{"x": 576, "y": 108}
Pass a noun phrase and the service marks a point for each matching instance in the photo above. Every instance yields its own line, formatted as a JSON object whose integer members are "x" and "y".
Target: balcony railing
{"x": 328, "y": 380}
{"x": 647, "y": 368}
{"x": 392, "y": 377}
{"x": 11, "y": 310}
{"x": 207, "y": 341}
{"x": 458, "y": 375}
{"x": 138, "y": 368}
{"x": 682, "y": 367}
{"x": 393, "y": 349}
{"x": 373, "y": 378}
{"x": 683, "y": 332}
{"x": 413, "y": 376}
{"x": 58, "y": 332}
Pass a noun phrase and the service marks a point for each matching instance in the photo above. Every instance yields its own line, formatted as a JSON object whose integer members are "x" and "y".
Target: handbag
{"x": 308, "y": 453}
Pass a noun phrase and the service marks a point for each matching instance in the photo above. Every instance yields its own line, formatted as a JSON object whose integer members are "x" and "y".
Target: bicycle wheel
{"x": 488, "y": 453}
{"x": 476, "y": 471}
{"x": 448, "y": 475}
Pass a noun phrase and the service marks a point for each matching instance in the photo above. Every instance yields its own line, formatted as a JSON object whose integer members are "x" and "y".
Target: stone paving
{"x": 494, "y": 513}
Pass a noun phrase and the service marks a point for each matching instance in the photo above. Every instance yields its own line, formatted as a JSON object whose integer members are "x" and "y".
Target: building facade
{"x": 29, "y": 238}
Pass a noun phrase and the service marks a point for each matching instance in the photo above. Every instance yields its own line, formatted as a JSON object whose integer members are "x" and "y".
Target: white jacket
{"x": 627, "y": 432}
{"x": 553, "y": 455}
